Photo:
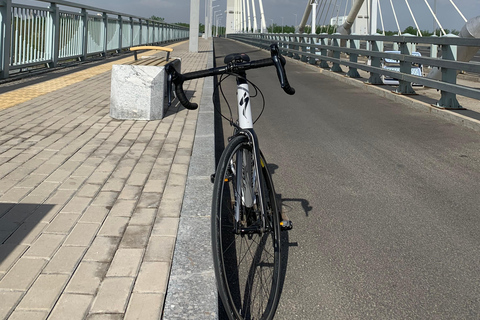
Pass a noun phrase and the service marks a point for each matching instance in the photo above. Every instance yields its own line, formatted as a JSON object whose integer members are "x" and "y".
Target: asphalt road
{"x": 385, "y": 200}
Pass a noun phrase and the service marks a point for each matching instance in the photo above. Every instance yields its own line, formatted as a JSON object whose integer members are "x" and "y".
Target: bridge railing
{"x": 36, "y": 35}
{"x": 342, "y": 50}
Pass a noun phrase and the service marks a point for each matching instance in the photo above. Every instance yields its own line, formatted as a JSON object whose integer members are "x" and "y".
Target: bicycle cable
{"x": 223, "y": 77}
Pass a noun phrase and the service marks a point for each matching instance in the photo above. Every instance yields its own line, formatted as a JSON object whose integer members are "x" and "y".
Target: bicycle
{"x": 246, "y": 220}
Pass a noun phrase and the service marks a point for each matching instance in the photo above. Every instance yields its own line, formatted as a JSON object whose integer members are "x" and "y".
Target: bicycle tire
{"x": 247, "y": 267}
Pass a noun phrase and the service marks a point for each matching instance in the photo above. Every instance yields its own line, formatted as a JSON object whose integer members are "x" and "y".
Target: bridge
{"x": 101, "y": 218}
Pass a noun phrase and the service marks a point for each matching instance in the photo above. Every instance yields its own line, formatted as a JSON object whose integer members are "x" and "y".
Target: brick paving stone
{"x": 123, "y": 208}
{"x": 44, "y": 292}
{"x": 102, "y": 249}
{"x": 145, "y": 306}
{"x": 28, "y": 314}
{"x": 135, "y": 236}
{"x": 126, "y": 262}
{"x": 9, "y": 301}
{"x": 71, "y": 307}
{"x": 113, "y": 295}
{"x": 27, "y": 233}
{"x": 65, "y": 260}
{"x": 94, "y": 215}
{"x": 9, "y": 254}
{"x": 87, "y": 278}
{"x": 153, "y": 277}
{"x": 113, "y": 227}
{"x": 105, "y": 316}
{"x": 165, "y": 226}
{"x": 45, "y": 246}
{"x": 143, "y": 216}
{"x": 160, "y": 248}
{"x": 63, "y": 223}
{"x": 82, "y": 234}
{"x": 22, "y": 274}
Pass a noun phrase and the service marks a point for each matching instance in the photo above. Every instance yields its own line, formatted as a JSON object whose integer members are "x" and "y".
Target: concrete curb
{"x": 192, "y": 292}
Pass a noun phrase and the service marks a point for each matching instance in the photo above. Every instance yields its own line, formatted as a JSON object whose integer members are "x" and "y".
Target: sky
{"x": 292, "y": 10}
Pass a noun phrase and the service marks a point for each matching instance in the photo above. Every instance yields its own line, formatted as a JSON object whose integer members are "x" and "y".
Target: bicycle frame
{"x": 249, "y": 178}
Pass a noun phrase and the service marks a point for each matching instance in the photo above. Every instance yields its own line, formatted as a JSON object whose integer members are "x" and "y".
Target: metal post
{"x": 405, "y": 87}
{"x": 376, "y": 46}
{"x": 336, "y": 54}
{"x": 85, "y": 35}
{"x": 120, "y": 33}
{"x": 105, "y": 33}
{"x": 55, "y": 33}
{"x": 5, "y": 31}
{"x": 194, "y": 29}
{"x": 313, "y": 50}
{"x": 449, "y": 100}
{"x": 352, "y": 72}
{"x": 323, "y": 53}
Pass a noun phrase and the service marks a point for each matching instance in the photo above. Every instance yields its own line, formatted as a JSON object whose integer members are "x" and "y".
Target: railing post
{"x": 376, "y": 46}
{"x": 434, "y": 48}
{"x": 304, "y": 58}
{"x": 336, "y": 54}
{"x": 120, "y": 33}
{"x": 55, "y": 34}
{"x": 140, "y": 32}
{"x": 132, "y": 33}
{"x": 296, "y": 56}
{"x": 6, "y": 41}
{"x": 449, "y": 100}
{"x": 405, "y": 87}
{"x": 312, "y": 60}
{"x": 353, "y": 72}
{"x": 105, "y": 33}
{"x": 323, "y": 53}
{"x": 85, "y": 35}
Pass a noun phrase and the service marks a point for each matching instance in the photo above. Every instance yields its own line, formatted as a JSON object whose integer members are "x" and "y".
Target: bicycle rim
{"x": 247, "y": 266}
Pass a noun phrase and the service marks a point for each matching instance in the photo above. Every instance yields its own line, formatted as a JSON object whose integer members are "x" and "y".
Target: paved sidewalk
{"x": 89, "y": 205}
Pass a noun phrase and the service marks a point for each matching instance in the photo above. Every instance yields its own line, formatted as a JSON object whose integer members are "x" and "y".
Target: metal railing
{"x": 34, "y": 35}
{"x": 345, "y": 50}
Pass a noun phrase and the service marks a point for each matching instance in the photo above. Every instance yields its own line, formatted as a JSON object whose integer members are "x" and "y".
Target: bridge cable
{"x": 395, "y": 16}
{"x": 414, "y": 20}
{"x": 326, "y": 16}
{"x": 338, "y": 15}
{"x": 458, "y": 10}
{"x": 319, "y": 16}
{"x": 435, "y": 17}
{"x": 381, "y": 17}
{"x": 333, "y": 15}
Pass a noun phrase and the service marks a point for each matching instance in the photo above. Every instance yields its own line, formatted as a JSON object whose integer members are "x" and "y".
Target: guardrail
{"x": 34, "y": 35}
{"x": 329, "y": 48}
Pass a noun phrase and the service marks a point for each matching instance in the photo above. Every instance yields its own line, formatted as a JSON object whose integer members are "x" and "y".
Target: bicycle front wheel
{"x": 245, "y": 238}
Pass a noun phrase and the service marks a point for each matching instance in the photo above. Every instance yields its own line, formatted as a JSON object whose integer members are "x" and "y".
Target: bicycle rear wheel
{"x": 246, "y": 258}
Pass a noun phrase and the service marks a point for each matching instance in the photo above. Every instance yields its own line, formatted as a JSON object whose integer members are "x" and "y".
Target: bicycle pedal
{"x": 212, "y": 178}
{"x": 286, "y": 225}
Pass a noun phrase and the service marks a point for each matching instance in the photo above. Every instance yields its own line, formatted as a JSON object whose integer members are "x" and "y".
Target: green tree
{"x": 157, "y": 18}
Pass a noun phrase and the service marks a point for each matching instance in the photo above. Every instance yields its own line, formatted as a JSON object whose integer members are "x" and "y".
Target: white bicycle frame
{"x": 245, "y": 158}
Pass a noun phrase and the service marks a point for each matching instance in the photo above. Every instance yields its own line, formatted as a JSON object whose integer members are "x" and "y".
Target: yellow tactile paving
{"x": 12, "y": 98}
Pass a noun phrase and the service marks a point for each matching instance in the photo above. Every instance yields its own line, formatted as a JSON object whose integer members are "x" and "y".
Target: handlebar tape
{"x": 279, "y": 62}
{"x": 178, "y": 80}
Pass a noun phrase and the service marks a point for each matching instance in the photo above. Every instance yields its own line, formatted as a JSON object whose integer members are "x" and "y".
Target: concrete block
{"x": 137, "y": 92}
